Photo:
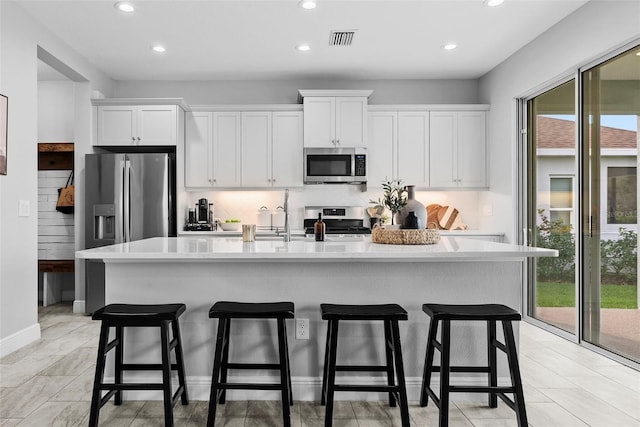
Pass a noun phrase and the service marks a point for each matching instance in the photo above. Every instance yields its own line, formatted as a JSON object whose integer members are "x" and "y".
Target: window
{"x": 622, "y": 205}
{"x": 561, "y": 199}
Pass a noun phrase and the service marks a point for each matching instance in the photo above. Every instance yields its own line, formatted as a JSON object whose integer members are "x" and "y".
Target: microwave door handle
{"x": 353, "y": 165}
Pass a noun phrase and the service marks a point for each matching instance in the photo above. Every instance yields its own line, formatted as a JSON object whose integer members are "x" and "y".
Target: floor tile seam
{"x": 572, "y": 379}
{"x": 577, "y": 415}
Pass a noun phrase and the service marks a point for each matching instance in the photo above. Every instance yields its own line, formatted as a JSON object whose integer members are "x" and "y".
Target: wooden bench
{"x": 51, "y": 293}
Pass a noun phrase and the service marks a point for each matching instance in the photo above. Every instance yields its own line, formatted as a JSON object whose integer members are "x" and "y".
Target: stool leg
{"x": 184, "y": 397}
{"x": 445, "y": 364}
{"x": 284, "y": 380}
{"x": 166, "y": 374}
{"x": 428, "y": 363}
{"x": 331, "y": 373}
{"x": 215, "y": 375}
{"x": 514, "y": 370}
{"x": 325, "y": 373}
{"x": 225, "y": 360}
{"x": 388, "y": 344}
{"x": 118, "y": 363}
{"x": 397, "y": 350}
{"x": 97, "y": 382}
{"x": 286, "y": 346}
{"x": 493, "y": 370}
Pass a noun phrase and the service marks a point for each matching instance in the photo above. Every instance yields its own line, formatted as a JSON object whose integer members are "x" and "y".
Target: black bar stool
{"x": 225, "y": 311}
{"x": 390, "y": 314}
{"x": 120, "y": 316}
{"x": 491, "y": 313}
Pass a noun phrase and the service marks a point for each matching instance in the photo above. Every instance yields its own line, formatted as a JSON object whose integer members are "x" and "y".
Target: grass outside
{"x": 552, "y": 294}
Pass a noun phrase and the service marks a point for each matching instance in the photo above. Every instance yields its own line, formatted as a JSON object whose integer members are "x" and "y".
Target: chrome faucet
{"x": 287, "y": 228}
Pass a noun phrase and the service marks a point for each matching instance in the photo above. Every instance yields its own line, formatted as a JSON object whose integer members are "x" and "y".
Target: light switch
{"x": 24, "y": 208}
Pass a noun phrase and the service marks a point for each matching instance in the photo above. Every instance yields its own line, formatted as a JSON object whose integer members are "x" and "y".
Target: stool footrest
{"x": 366, "y": 387}
{"x": 480, "y": 389}
{"x": 361, "y": 368}
{"x": 145, "y": 366}
{"x": 251, "y": 366}
{"x": 468, "y": 369}
{"x": 249, "y": 386}
{"x": 134, "y": 386}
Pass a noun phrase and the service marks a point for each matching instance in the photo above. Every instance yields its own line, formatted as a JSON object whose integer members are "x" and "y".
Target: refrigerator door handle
{"x": 127, "y": 201}
{"x": 119, "y": 201}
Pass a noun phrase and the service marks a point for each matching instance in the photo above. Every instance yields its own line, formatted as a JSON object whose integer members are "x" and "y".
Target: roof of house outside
{"x": 558, "y": 133}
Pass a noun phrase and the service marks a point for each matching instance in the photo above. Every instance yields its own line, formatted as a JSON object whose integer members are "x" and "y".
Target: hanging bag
{"x": 66, "y": 197}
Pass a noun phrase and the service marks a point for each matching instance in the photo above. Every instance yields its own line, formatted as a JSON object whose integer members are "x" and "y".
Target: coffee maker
{"x": 201, "y": 218}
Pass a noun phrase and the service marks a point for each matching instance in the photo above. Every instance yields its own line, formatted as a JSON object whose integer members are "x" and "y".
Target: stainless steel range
{"x": 338, "y": 219}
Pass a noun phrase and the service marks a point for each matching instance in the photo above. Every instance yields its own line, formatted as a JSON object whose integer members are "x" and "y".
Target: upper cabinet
{"x": 122, "y": 122}
{"x": 335, "y": 118}
{"x": 458, "y": 149}
{"x": 212, "y": 150}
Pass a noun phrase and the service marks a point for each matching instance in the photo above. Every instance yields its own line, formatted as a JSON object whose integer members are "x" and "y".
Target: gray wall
{"x": 286, "y": 91}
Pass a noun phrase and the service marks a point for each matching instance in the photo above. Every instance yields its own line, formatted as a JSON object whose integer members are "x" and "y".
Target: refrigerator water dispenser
{"x": 104, "y": 222}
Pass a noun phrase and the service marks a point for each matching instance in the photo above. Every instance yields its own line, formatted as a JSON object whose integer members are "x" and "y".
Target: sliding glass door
{"x": 611, "y": 111}
{"x": 551, "y": 139}
{"x": 582, "y": 195}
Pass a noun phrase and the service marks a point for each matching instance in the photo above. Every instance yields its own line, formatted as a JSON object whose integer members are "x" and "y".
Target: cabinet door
{"x": 413, "y": 148}
{"x": 226, "y": 150}
{"x": 472, "y": 149}
{"x": 116, "y": 125}
{"x": 443, "y": 136}
{"x": 381, "y": 148}
{"x": 256, "y": 149}
{"x": 287, "y": 149}
{"x": 157, "y": 125}
{"x": 319, "y": 121}
{"x": 197, "y": 157}
{"x": 351, "y": 121}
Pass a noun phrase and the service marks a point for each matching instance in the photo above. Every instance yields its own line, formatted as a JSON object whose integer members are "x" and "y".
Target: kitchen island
{"x": 198, "y": 271}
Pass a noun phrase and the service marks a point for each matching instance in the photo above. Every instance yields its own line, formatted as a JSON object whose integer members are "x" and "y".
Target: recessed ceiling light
{"x": 493, "y": 3}
{"x": 449, "y": 46}
{"x": 158, "y": 48}
{"x": 303, "y": 47}
{"x": 307, "y": 4}
{"x": 125, "y": 6}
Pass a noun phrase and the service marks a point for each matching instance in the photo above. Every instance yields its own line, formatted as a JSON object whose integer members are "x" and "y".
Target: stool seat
{"x": 252, "y": 310}
{"x": 147, "y": 312}
{"x": 470, "y": 312}
{"x": 363, "y": 312}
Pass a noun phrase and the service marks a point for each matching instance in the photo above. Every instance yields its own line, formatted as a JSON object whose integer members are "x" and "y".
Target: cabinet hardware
{"x": 138, "y": 138}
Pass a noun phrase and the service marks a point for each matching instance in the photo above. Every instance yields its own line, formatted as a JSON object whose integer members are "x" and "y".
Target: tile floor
{"x": 48, "y": 383}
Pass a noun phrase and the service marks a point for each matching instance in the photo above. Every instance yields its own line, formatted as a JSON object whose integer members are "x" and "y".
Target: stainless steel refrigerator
{"x": 128, "y": 197}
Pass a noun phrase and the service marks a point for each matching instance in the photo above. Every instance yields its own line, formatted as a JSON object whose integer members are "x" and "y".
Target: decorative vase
{"x": 412, "y": 206}
{"x": 411, "y": 221}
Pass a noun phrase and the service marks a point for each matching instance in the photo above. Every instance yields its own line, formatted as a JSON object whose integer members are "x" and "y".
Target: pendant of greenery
{"x": 394, "y": 198}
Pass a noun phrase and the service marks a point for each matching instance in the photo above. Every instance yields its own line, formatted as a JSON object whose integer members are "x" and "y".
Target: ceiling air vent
{"x": 341, "y": 38}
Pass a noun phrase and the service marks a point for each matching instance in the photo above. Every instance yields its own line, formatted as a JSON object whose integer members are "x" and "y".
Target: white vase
{"x": 412, "y": 205}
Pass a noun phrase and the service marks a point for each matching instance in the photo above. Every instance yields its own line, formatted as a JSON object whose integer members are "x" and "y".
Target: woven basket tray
{"x": 427, "y": 236}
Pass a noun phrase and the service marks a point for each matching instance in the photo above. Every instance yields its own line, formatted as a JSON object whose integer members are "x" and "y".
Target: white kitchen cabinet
{"x": 272, "y": 149}
{"x": 137, "y": 125}
{"x": 212, "y": 149}
{"x": 458, "y": 149}
{"x": 398, "y": 147}
{"x": 339, "y": 121}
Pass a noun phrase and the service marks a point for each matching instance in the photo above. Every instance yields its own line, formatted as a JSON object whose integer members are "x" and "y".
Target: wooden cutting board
{"x": 432, "y": 214}
{"x": 449, "y": 218}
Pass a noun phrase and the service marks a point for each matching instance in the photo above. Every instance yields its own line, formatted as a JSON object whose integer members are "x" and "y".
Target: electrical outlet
{"x": 302, "y": 329}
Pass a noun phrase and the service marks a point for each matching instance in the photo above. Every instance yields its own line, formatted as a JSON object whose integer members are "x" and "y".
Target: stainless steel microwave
{"x": 335, "y": 165}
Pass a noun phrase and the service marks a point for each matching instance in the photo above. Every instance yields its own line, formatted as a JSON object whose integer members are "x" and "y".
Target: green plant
{"x": 394, "y": 198}
{"x": 555, "y": 235}
{"x": 619, "y": 258}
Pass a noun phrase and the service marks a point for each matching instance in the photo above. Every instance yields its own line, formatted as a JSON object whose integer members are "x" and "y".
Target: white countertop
{"x": 259, "y": 233}
{"x": 334, "y": 249}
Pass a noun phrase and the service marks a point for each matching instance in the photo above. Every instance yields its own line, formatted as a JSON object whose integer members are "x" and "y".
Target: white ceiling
{"x": 241, "y": 39}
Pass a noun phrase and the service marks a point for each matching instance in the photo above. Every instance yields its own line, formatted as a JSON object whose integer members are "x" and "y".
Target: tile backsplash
{"x": 244, "y": 205}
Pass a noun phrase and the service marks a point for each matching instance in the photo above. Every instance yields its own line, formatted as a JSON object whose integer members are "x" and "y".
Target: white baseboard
{"x": 18, "y": 340}
{"x": 78, "y": 306}
{"x": 304, "y": 388}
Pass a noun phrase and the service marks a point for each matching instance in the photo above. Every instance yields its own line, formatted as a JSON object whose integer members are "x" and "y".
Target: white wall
{"x": 20, "y": 37}
{"x": 286, "y": 91}
{"x": 590, "y": 32}
{"x": 56, "y": 107}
